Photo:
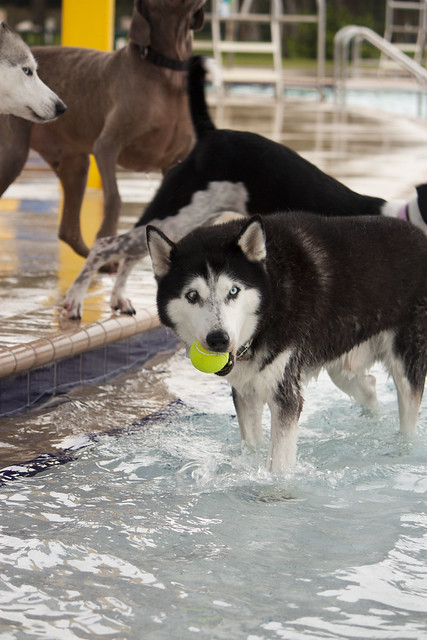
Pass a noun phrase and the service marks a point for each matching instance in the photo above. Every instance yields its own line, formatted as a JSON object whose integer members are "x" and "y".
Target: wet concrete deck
{"x": 375, "y": 153}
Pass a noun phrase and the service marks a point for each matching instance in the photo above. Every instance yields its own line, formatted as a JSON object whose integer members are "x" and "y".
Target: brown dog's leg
{"x": 72, "y": 171}
{"x": 106, "y": 152}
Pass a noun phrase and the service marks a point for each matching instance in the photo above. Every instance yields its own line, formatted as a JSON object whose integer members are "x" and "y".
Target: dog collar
{"x": 403, "y": 213}
{"x": 158, "y": 59}
{"x": 243, "y": 350}
{"x": 240, "y": 355}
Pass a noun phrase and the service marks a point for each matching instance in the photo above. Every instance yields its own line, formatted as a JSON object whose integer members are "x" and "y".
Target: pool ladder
{"x": 227, "y": 17}
{"x": 410, "y": 31}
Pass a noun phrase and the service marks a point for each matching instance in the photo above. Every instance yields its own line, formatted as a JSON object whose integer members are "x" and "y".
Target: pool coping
{"x": 66, "y": 343}
{"x": 36, "y": 371}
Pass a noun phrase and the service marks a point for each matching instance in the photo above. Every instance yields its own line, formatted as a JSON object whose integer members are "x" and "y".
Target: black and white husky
{"x": 22, "y": 93}
{"x": 288, "y": 294}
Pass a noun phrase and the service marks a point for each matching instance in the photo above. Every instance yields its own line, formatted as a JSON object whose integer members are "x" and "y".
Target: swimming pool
{"x": 165, "y": 528}
{"x": 168, "y": 529}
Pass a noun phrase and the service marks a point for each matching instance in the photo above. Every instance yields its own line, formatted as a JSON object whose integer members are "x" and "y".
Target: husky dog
{"x": 22, "y": 93}
{"x": 290, "y": 293}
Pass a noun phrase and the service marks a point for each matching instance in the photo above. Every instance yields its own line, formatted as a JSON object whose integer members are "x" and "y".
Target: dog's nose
{"x": 60, "y": 107}
{"x": 218, "y": 341}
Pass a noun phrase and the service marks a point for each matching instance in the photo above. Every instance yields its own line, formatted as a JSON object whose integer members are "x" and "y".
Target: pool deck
{"x": 42, "y": 353}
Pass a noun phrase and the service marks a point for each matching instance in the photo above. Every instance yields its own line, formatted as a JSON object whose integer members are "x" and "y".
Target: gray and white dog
{"x": 22, "y": 93}
{"x": 289, "y": 293}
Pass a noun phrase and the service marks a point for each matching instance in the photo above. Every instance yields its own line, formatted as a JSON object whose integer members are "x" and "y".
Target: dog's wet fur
{"x": 300, "y": 292}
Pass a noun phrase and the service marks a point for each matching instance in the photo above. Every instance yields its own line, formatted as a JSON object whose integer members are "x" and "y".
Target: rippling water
{"x": 168, "y": 529}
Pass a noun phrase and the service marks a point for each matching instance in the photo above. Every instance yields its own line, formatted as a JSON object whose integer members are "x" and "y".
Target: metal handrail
{"x": 342, "y": 41}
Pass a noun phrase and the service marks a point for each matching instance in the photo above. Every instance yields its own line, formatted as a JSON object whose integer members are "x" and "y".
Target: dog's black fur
{"x": 325, "y": 287}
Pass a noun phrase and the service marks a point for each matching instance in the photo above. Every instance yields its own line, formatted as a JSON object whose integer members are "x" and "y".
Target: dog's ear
{"x": 3, "y": 32}
{"x": 251, "y": 240}
{"x": 198, "y": 20}
{"x": 160, "y": 248}
{"x": 422, "y": 200}
{"x": 139, "y": 31}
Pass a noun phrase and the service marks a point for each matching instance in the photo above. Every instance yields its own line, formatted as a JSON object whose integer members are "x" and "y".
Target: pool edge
{"x": 34, "y": 371}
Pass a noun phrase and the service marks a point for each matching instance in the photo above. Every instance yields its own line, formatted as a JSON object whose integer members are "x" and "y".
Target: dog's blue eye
{"x": 27, "y": 71}
{"x": 192, "y": 296}
{"x": 234, "y": 292}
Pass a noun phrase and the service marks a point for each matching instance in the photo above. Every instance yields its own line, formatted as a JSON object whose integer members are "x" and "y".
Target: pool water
{"x": 408, "y": 103}
{"x": 168, "y": 529}
{"x": 405, "y": 103}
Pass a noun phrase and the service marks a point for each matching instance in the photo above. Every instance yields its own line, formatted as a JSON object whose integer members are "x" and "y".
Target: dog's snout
{"x": 218, "y": 341}
{"x": 60, "y": 108}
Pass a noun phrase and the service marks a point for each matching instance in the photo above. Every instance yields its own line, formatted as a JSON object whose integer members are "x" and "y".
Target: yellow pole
{"x": 89, "y": 24}
{"x": 86, "y": 23}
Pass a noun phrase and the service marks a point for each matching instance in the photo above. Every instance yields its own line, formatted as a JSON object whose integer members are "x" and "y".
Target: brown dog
{"x": 128, "y": 107}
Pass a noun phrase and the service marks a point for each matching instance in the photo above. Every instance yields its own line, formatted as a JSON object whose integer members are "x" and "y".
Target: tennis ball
{"x": 207, "y": 361}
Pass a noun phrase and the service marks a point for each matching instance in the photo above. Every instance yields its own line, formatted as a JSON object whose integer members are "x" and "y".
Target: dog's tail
{"x": 197, "y": 98}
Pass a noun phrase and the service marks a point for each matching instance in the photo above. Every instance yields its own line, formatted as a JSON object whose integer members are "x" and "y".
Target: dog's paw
{"x": 72, "y": 306}
{"x": 72, "y": 311}
{"x": 123, "y": 305}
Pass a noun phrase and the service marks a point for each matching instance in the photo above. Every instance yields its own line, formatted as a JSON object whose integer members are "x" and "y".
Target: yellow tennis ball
{"x": 207, "y": 361}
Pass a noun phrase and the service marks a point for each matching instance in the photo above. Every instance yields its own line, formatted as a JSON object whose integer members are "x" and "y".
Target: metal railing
{"x": 354, "y": 35}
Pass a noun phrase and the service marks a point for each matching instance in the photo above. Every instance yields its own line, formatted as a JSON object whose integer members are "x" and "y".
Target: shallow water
{"x": 168, "y": 529}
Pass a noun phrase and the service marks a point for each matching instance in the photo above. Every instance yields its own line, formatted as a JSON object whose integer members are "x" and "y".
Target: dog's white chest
{"x": 250, "y": 376}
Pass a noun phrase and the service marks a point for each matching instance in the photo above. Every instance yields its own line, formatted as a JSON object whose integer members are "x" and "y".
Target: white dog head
{"x": 22, "y": 93}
